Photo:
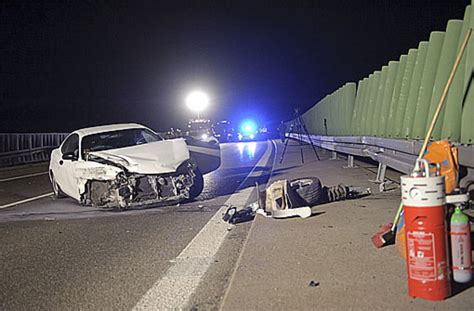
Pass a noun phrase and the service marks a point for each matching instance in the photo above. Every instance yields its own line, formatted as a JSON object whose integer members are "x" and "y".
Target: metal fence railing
{"x": 394, "y": 153}
{"x": 22, "y": 148}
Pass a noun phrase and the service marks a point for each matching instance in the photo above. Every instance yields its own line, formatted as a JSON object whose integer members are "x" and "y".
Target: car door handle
{"x": 61, "y": 162}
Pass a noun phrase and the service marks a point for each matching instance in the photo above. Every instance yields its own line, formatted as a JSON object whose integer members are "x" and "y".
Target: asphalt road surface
{"x": 56, "y": 254}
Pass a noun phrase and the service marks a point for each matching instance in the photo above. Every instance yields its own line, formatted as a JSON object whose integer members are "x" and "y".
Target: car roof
{"x": 107, "y": 128}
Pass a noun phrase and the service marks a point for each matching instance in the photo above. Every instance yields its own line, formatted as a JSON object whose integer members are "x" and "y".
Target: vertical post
{"x": 350, "y": 162}
{"x": 381, "y": 173}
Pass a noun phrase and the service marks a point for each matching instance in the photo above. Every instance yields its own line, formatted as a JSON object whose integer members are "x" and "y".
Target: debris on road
{"x": 285, "y": 199}
{"x": 303, "y": 212}
{"x": 313, "y": 284}
{"x": 235, "y": 216}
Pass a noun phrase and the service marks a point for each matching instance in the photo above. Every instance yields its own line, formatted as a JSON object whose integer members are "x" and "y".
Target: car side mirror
{"x": 70, "y": 156}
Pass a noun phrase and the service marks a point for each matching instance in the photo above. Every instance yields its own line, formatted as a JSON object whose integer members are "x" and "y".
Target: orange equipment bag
{"x": 441, "y": 152}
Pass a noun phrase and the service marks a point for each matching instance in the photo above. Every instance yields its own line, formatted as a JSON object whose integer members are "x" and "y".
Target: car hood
{"x": 153, "y": 158}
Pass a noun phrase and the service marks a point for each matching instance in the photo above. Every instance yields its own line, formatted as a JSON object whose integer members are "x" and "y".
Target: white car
{"x": 124, "y": 165}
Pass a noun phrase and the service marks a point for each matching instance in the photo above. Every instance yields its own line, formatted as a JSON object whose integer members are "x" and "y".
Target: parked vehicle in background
{"x": 224, "y": 131}
{"x": 201, "y": 129}
{"x": 124, "y": 165}
{"x": 248, "y": 131}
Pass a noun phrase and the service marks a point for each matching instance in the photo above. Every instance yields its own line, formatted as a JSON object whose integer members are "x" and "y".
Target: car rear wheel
{"x": 58, "y": 193}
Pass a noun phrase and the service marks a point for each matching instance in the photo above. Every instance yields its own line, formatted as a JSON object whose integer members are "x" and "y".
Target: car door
{"x": 65, "y": 175}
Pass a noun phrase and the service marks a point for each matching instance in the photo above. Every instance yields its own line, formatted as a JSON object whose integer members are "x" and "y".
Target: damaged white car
{"x": 124, "y": 165}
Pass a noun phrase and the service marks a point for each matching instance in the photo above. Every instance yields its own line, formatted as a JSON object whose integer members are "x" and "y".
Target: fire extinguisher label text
{"x": 421, "y": 255}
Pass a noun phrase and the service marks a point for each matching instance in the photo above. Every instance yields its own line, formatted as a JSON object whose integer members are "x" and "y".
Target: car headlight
{"x": 204, "y": 136}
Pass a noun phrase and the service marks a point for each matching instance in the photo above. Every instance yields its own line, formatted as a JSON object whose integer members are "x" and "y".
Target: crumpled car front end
{"x": 144, "y": 175}
{"x": 128, "y": 190}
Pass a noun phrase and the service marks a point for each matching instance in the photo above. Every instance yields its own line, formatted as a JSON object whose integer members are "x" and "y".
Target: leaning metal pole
{"x": 301, "y": 129}
{"x": 309, "y": 137}
{"x": 300, "y": 138}
{"x": 287, "y": 138}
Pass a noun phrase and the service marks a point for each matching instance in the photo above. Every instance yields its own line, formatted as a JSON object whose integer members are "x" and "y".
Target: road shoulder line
{"x": 23, "y": 176}
{"x": 26, "y": 200}
{"x": 175, "y": 288}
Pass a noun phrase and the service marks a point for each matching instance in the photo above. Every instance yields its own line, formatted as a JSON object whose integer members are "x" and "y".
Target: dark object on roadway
{"x": 313, "y": 284}
{"x": 387, "y": 232}
{"x": 385, "y": 236}
{"x": 308, "y": 191}
{"x": 294, "y": 196}
{"x": 282, "y": 131}
{"x": 233, "y": 216}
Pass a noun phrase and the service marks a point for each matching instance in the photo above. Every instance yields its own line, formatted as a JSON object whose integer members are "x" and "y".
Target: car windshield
{"x": 118, "y": 139}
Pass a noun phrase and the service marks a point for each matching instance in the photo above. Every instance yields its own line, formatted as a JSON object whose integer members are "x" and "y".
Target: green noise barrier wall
{"x": 467, "y": 129}
{"x": 400, "y": 99}
{"x": 453, "y": 110}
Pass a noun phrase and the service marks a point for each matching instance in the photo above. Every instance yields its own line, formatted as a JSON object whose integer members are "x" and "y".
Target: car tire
{"x": 58, "y": 193}
{"x": 198, "y": 184}
{"x": 306, "y": 191}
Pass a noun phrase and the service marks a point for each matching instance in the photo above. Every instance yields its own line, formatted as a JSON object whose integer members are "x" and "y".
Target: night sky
{"x": 71, "y": 64}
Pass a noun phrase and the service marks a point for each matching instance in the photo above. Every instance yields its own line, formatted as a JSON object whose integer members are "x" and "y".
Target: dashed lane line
{"x": 27, "y": 200}
{"x": 175, "y": 288}
{"x": 23, "y": 176}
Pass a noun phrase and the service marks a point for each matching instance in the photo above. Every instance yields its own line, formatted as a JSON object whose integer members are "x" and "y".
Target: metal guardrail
{"x": 395, "y": 153}
{"x": 23, "y": 148}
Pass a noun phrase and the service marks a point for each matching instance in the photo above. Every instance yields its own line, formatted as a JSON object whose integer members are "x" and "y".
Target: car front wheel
{"x": 58, "y": 193}
{"x": 198, "y": 184}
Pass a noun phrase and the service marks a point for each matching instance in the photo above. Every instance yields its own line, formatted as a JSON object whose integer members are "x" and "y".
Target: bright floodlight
{"x": 197, "y": 101}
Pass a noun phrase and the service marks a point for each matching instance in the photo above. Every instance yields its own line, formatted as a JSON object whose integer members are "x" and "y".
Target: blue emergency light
{"x": 248, "y": 127}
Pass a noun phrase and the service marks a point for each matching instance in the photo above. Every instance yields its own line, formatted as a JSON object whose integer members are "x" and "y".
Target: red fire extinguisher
{"x": 461, "y": 246}
{"x": 424, "y": 201}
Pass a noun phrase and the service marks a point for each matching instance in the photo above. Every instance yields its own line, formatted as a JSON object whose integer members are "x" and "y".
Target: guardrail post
{"x": 380, "y": 174}
{"x": 350, "y": 162}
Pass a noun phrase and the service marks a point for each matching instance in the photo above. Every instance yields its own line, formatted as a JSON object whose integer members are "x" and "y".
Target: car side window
{"x": 71, "y": 145}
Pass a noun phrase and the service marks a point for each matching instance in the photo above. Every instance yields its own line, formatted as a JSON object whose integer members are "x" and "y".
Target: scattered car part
{"x": 308, "y": 191}
{"x": 234, "y": 216}
{"x": 278, "y": 202}
{"x": 303, "y": 212}
{"x": 283, "y": 199}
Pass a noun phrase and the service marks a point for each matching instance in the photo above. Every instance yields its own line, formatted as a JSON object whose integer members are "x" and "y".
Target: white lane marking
{"x": 27, "y": 200}
{"x": 244, "y": 246}
{"x": 264, "y": 159}
{"x": 173, "y": 290}
{"x": 23, "y": 176}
